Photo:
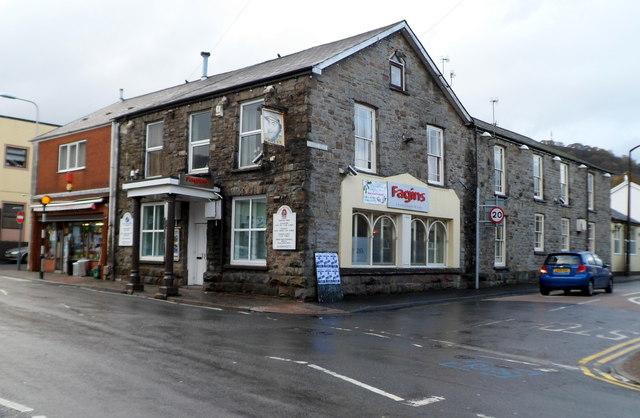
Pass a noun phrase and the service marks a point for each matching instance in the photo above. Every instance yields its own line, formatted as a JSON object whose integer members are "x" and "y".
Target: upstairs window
{"x": 72, "y": 156}
{"x": 435, "y": 155}
{"x": 498, "y": 170}
{"x": 365, "y": 137}
{"x": 564, "y": 183}
{"x": 591, "y": 183}
{"x": 153, "y": 154}
{"x": 250, "y": 145}
{"x": 15, "y": 157}
{"x": 396, "y": 71}
{"x": 199, "y": 139}
{"x": 537, "y": 177}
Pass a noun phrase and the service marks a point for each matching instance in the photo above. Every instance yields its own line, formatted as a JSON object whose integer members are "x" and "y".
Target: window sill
{"x": 500, "y": 268}
{"x": 253, "y": 267}
{"x": 539, "y": 200}
{"x": 246, "y": 169}
{"x": 71, "y": 169}
{"x": 539, "y": 252}
{"x": 398, "y": 89}
{"x": 499, "y": 194}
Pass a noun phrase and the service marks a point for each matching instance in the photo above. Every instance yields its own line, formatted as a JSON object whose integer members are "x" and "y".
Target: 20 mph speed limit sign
{"x": 496, "y": 214}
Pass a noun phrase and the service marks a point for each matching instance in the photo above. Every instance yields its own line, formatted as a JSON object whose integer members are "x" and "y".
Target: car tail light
{"x": 581, "y": 268}
{"x": 543, "y": 270}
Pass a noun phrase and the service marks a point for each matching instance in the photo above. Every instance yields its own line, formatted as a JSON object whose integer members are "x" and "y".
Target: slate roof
{"x": 312, "y": 59}
{"x": 622, "y": 217}
{"x": 531, "y": 143}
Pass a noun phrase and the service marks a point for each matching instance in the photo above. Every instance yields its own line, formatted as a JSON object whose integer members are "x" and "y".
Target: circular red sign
{"x": 496, "y": 214}
{"x": 20, "y": 217}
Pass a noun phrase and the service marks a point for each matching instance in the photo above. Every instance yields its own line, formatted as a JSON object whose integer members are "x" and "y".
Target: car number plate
{"x": 561, "y": 270}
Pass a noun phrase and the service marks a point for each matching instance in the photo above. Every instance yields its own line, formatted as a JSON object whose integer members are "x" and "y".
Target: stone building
{"x": 357, "y": 148}
{"x": 369, "y": 128}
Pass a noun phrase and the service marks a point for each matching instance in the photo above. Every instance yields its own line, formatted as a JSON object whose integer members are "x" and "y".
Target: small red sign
{"x": 496, "y": 214}
{"x": 20, "y": 217}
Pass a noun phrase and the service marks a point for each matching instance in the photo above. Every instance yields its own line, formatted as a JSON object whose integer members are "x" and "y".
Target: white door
{"x": 200, "y": 253}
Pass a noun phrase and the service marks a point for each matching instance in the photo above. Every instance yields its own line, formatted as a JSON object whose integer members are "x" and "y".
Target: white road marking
{"x": 417, "y": 345}
{"x": 505, "y": 355}
{"x": 635, "y": 300}
{"x": 376, "y": 335}
{"x": 569, "y": 306}
{"x": 342, "y": 329}
{"x": 4, "y": 292}
{"x": 494, "y": 322}
{"x": 632, "y": 293}
{"x": 14, "y": 279}
{"x": 415, "y": 403}
{"x": 15, "y": 406}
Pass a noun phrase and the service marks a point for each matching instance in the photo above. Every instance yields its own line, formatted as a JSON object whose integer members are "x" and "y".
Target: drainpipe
{"x": 113, "y": 195}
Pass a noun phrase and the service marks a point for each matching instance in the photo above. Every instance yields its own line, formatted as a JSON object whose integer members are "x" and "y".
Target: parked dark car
{"x": 582, "y": 270}
{"x": 12, "y": 254}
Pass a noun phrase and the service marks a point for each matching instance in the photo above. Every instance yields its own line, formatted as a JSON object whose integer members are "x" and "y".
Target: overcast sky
{"x": 561, "y": 69}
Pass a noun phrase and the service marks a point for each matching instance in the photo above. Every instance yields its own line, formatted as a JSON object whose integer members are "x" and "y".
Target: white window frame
{"x": 591, "y": 184}
{"x": 366, "y": 161}
{"x": 617, "y": 245}
{"x": 153, "y": 149}
{"x": 565, "y": 233}
{"x": 372, "y": 220}
{"x": 633, "y": 243}
{"x": 538, "y": 177}
{"x": 500, "y": 247}
{"x": 155, "y": 233}
{"x": 564, "y": 183}
{"x": 395, "y": 62}
{"x": 432, "y": 226}
{"x": 243, "y": 135}
{"x": 67, "y": 150}
{"x": 538, "y": 232}
{"x": 499, "y": 174}
{"x": 199, "y": 143}
{"x": 435, "y": 157}
{"x": 591, "y": 229}
{"x": 251, "y": 230}
{"x": 414, "y": 250}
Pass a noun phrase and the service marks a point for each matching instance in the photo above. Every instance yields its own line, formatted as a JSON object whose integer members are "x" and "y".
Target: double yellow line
{"x": 592, "y": 365}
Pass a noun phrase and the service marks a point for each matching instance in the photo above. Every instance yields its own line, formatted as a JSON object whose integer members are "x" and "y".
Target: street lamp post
{"x": 44, "y": 200}
{"x": 12, "y": 97}
{"x": 627, "y": 263}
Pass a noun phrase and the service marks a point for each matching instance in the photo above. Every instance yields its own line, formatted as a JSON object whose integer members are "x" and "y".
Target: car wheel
{"x": 544, "y": 290}
{"x": 609, "y": 287}
{"x": 588, "y": 290}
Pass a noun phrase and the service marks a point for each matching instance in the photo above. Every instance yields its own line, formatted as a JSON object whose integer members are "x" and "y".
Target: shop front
{"x": 398, "y": 234}
{"x": 75, "y": 234}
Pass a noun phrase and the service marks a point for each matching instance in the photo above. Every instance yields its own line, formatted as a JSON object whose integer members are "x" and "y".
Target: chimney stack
{"x": 205, "y": 62}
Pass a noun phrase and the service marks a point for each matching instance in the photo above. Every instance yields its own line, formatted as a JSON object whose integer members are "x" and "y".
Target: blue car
{"x": 569, "y": 270}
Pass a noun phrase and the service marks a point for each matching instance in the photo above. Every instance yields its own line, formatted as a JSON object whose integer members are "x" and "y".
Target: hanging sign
{"x": 125, "y": 238}
{"x": 284, "y": 229}
{"x": 272, "y": 127}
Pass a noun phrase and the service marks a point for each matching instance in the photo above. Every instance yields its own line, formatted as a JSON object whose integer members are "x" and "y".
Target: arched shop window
{"x": 384, "y": 241}
{"x": 437, "y": 245}
{"x": 373, "y": 240}
{"x": 418, "y": 243}
{"x": 360, "y": 240}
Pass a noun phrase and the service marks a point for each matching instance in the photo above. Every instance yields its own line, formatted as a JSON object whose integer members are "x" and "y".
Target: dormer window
{"x": 396, "y": 70}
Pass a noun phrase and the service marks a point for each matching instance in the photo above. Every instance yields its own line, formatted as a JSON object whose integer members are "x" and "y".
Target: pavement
{"x": 628, "y": 369}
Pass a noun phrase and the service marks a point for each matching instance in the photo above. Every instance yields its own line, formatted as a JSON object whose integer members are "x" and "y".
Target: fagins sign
{"x": 403, "y": 196}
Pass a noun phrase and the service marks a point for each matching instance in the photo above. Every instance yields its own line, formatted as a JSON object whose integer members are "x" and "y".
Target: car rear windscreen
{"x": 562, "y": 259}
